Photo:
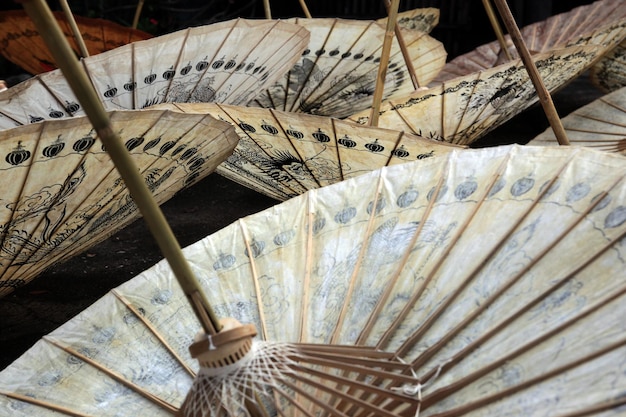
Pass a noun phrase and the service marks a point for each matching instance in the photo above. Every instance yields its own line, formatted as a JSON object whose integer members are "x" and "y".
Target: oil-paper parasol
{"x": 600, "y": 124}
{"x": 602, "y": 23}
{"x": 21, "y": 43}
{"x": 609, "y": 74}
{"x": 227, "y": 62}
{"x": 463, "y": 109}
{"x": 496, "y": 276}
{"x": 60, "y": 192}
{"x": 336, "y": 75}
{"x": 283, "y": 154}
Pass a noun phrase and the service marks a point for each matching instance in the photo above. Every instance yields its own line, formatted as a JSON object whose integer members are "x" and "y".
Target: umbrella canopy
{"x": 609, "y": 74}
{"x": 61, "y": 193}
{"x": 21, "y": 43}
{"x": 465, "y": 108}
{"x": 227, "y": 62}
{"x": 495, "y": 275}
{"x": 336, "y": 75}
{"x": 283, "y": 154}
{"x": 602, "y": 23}
{"x": 599, "y": 124}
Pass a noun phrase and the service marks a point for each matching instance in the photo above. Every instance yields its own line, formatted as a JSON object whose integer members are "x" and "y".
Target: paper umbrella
{"x": 21, "y": 43}
{"x": 599, "y": 124}
{"x": 283, "y": 154}
{"x": 226, "y": 62}
{"x": 336, "y": 75}
{"x": 490, "y": 282}
{"x": 466, "y": 108}
{"x": 60, "y": 192}
{"x": 601, "y": 23}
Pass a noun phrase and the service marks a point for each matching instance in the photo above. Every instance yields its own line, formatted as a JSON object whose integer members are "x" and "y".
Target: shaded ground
{"x": 53, "y": 298}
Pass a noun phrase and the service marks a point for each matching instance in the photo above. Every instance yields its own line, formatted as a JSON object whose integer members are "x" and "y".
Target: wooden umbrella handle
{"x": 77, "y": 78}
{"x": 535, "y": 77}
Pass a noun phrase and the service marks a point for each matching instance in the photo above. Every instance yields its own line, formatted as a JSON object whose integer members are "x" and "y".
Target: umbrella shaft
{"x": 60, "y": 49}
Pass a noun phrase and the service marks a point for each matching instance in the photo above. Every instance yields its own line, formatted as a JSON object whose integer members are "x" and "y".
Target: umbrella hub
{"x": 225, "y": 348}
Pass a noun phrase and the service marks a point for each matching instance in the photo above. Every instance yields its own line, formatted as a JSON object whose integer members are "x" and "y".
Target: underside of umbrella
{"x": 226, "y": 62}
{"x": 336, "y": 75}
{"x": 495, "y": 277}
{"x": 609, "y": 74}
{"x": 600, "y": 124}
{"x": 60, "y": 192}
{"x": 602, "y": 23}
{"x": 466, "y": 108}
{"x": 282, "y": 154}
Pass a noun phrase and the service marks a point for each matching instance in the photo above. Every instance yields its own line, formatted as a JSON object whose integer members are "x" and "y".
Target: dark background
{"x": 66, "y": 289}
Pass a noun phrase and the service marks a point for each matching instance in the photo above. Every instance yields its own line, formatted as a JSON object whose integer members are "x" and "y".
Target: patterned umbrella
{"x": 487, "y": 281}
{"x": 227, "y": 62}
{"x": 464, "y": 109}
{"x": 61, "y": 193}
{"x": 336, "y": 75}
{"x": 283, "y": 154}
{"x": 602, "y": 23}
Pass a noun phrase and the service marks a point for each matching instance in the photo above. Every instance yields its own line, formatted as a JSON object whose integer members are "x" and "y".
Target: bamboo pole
{"x": 384, "y": 61}
{"x": 542, "y": 92}
{"x": 77, "y": 78}
{"x": 267, "y": 9}
{"x": 75, "y": 31}
{"x": 405, "y": 52}
{"x": 493, "y": 19}
{"x": 137, "y": 13}
{"x": 305, "y": 9}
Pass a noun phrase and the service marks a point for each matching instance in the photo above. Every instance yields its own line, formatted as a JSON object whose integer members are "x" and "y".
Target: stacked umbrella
{"x": 370, "y": 296}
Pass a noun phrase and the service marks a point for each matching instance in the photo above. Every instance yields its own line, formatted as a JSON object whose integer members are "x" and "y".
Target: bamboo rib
{"x": 114, "y": 375}
{"x": 357, "y": 267}
{"x": 154, "y": 331}
{"x": 368, "y": 327}
{"x": 44, "y": 404}
{"x": 405, "y": 53}
{"x": 74, "y": 73}
{"x": 387, "y": 335}
{"x": 450, "y": 389}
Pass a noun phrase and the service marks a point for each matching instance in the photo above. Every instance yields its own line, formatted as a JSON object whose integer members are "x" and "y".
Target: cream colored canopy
{"x": 336, "y": 74}
{"x": 496, "y": 275}
{"x": 283, "y": 154}
{"x": 60, "y": 192}
{"x": 464, "y": 109}
{"x": 227, "y": 62}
